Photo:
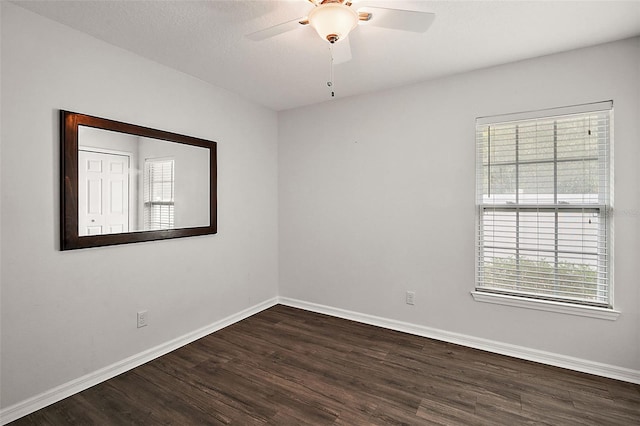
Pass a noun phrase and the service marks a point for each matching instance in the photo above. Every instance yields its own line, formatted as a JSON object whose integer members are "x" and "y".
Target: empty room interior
{"x": 320, "y": 212}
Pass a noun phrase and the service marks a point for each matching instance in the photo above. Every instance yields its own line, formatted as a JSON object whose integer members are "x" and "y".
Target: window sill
{"x": 546, "y": 305}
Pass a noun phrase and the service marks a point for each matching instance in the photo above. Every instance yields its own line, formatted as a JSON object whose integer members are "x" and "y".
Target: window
{"x": 543, "y": 205}
{"x": 158, "y": 194}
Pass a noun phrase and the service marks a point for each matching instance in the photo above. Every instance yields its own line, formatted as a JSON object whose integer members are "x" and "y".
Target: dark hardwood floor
{"x": 286, "y": 366}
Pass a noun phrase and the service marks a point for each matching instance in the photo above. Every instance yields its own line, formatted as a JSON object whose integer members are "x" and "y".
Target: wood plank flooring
{"x": 286, "y": 366}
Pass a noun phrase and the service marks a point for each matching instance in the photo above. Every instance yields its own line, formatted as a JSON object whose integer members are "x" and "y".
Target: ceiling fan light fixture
{"x": 333, "y": 21}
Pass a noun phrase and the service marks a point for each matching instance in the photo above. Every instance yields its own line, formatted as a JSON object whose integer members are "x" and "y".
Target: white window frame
{"x": 540, "y": 302}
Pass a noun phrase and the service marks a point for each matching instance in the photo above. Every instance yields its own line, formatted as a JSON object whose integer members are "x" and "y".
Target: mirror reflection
{"x": 129, "y": 183}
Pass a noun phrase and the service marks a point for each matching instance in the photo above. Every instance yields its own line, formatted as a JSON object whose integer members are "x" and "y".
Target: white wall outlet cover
{"x": 410, "y": 297}
{"x": 142, "y": 319}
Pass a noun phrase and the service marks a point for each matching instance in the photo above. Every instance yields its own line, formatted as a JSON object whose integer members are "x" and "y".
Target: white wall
{"x": 67, "y": 314}
{"x": 377, "y": 197}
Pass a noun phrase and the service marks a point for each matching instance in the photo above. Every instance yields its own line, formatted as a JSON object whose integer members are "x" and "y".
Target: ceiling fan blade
{"x": 398, "y": 19}
{"x": 341, "y": 51}
{"x": 276, "y": 30}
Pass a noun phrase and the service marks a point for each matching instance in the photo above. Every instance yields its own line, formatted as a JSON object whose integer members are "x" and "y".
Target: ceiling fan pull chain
{"x": 330, "y": 82}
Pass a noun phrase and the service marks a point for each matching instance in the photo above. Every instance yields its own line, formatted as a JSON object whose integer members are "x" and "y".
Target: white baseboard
{"x": 65, "y": 390}
{"x": 557, "y": 360}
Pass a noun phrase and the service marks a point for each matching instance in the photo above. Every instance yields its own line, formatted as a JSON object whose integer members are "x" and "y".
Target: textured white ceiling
{"x": 207, "y": 40}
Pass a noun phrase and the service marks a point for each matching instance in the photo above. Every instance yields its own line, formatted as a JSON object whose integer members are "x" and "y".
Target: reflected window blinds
{"x": 159, "y": 175}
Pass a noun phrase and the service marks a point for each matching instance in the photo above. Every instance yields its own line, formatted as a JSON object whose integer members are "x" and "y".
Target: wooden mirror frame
{"x": 69, "y": 233}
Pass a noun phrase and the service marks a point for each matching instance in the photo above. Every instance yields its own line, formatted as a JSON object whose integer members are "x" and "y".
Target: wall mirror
{"x": 123, "y": 183}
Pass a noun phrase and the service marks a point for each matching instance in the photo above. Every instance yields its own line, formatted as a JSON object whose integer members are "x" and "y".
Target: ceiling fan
{"x": 333, "y": 20}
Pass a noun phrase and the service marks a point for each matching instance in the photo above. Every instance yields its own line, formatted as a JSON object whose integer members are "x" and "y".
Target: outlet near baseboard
{"x": 142, "y": 319}
{"x": 410, "y": 297}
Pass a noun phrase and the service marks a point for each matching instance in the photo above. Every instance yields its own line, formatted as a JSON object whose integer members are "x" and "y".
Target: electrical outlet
{"x": 142, "y": 319}
{"x": 410, "y": 297}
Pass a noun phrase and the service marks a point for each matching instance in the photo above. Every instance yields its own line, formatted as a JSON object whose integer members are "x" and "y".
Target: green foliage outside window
{"x": 540, "y": 277}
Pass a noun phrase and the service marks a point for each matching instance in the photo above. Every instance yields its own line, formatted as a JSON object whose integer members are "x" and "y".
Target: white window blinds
{"x": 158, "y": 194}
{"x": 543, "y": 197}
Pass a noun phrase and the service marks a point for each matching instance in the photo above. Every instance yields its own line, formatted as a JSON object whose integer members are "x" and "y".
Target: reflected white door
{"x": 103, "y": 193}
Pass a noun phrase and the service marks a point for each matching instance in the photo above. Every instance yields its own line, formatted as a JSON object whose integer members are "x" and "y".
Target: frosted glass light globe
{"x": 333, "y": 21}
